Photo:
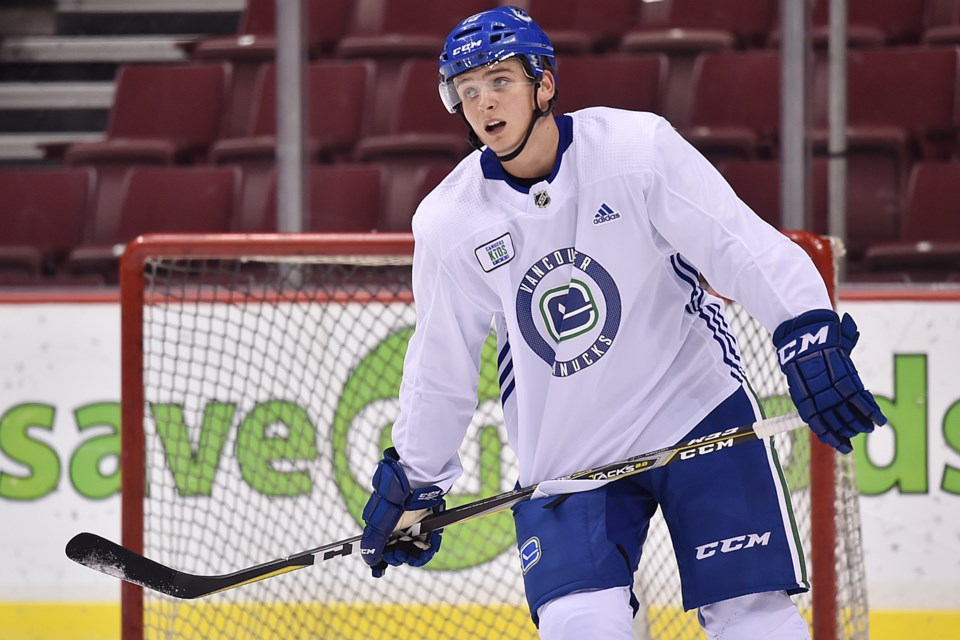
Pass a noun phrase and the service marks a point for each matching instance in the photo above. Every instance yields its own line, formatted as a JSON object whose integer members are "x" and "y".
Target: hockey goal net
{"x": 260, "y": 377}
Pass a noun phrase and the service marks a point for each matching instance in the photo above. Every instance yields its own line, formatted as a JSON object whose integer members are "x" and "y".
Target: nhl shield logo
{"x": 541, "y": 199}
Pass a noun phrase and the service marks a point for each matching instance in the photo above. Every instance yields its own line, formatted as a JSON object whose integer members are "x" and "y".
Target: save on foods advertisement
{"x": 59, "y": 462}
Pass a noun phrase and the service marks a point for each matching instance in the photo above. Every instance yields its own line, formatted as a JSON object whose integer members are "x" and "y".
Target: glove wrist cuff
{"x": 424, "y": 498}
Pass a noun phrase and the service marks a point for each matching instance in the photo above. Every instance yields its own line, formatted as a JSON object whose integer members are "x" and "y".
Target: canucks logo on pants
{"x": 529, "y": 554}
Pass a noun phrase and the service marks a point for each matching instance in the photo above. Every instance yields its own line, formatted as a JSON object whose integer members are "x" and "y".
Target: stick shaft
{"x": 112, "y": 559}
{"x": 617, "y": 470}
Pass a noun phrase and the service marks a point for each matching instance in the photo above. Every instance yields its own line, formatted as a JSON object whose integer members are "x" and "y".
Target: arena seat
{"x": 878, "y": 80}
{"x": 256, "y": 36}
{"x": 428, "y": 177}
{"x": 685, "y": 23}
{"x": 886, "y": 133}
{"x": 929, "y": 244}
{"x": 872, "y": 211}
{"x": 942, "y": 23}
{"x": 255, "y": 43}
{"x": 161, "y": 114}
{"x": 391, "y": 32}
{"x": 577, "y": 27}
{"x": 403, "y": 29}
{"x": 420, "y": 125}
{"x": 758, "y": 184}
{"x": 874, "y": 202}
{"x": 684, "y": 29}
{"x": 621, "y": 81}
{"x": 736, "y": 104}
{"x": 44, "y": 212}
{"x": 338, "y": 94}
{"x": 420, "y": 132}
{"x": 343, "y": 197}
{"x": 161, "y": 200}
{"x": 405, "y": 195}
{"x": 871, "y": 23}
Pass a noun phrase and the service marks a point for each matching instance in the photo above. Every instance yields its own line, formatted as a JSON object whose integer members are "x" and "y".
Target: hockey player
{"x": 582, "y": 238}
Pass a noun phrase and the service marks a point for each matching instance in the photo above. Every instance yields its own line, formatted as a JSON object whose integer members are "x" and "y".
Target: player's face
{"x": 498, "y": 103}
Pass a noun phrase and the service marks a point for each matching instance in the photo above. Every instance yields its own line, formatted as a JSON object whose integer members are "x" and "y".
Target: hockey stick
{"x": 112, "y": 559}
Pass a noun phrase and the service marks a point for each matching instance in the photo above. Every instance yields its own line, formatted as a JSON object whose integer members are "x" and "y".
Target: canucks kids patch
{"x": 495, "y": 253}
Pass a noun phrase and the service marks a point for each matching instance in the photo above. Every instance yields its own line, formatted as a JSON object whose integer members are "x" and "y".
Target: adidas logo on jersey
{"x": 605, "y": 214}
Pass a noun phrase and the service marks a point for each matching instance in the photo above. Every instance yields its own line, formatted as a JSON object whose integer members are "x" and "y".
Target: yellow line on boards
{"x": 65, "y": 620}
{"x": 209, "y": 621}
{"x": 933, "y": 624}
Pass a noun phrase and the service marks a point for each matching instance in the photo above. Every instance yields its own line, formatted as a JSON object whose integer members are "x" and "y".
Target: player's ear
{"x": 548, "y": 87}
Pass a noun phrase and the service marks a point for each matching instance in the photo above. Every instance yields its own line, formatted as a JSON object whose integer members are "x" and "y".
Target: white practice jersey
{"x": 608, "y": 345}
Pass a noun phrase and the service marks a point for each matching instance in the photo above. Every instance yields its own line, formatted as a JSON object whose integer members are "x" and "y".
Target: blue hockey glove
{"x": 394, "y": 506}
{"x": 814, "y": 353}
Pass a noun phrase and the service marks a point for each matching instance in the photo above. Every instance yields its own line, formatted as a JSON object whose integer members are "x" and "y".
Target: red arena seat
{"x": 343, "y": 197}
{"x": 338, "y": 94}
{"x": 256, "y": 37}
{"x": 592, "y": 81}
{"x": 162, "y": 200}
{"x": 736, "y": 104}
{"x": 758, "y": 184}
{"x": 577, "y": 27}
{"x": 929, "y": 246}
{"x": 684, "y": 29}
{"x": 886, "y": 133}
{"x": 255, "y": 43}
{"x": 392, "y": 28}
{"x": 419, "y": 124}
{"x": 43, "y": 217}
{"x": 942, "y": 23}
{"x": 161, "y": 114}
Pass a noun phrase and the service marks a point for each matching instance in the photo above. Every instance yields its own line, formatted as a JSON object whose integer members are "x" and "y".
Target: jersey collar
{"x": 493, "y": 170}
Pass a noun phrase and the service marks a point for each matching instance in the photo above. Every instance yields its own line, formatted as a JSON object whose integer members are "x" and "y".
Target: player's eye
{"x": 501, "y": 83}
{"x": 469, "y": 92}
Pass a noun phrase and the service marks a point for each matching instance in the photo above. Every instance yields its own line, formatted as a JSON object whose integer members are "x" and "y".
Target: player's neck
{"x": 540, "y": 154}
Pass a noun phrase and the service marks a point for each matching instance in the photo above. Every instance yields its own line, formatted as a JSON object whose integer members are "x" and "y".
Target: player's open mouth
{"x": 495, "y": 126}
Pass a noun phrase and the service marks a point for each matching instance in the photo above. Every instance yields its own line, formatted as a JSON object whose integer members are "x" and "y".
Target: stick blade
{"x": 105, "y": 556}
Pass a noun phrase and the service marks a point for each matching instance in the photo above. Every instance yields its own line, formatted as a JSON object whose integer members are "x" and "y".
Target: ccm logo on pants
{"x": 730, "y": 545}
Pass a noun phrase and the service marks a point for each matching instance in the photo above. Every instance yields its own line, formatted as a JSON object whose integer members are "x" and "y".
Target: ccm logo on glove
{"x": 823, "y": 383}
{"x": 789, "y": 350}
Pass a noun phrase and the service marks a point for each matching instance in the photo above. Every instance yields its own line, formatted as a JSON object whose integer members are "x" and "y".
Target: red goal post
{"x": 184, "y": 296}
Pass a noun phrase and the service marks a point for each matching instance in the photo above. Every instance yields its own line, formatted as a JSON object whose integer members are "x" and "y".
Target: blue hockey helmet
{"x": 489, "y": 37}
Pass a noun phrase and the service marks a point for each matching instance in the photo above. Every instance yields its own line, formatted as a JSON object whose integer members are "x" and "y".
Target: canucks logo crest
{"x": 569, "y": 311}
{"x": 568, "y": 307}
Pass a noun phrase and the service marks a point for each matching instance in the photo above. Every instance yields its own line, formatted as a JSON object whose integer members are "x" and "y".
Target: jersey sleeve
{"x": 742, "y": 257}
{"x": 438, "y": 394}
